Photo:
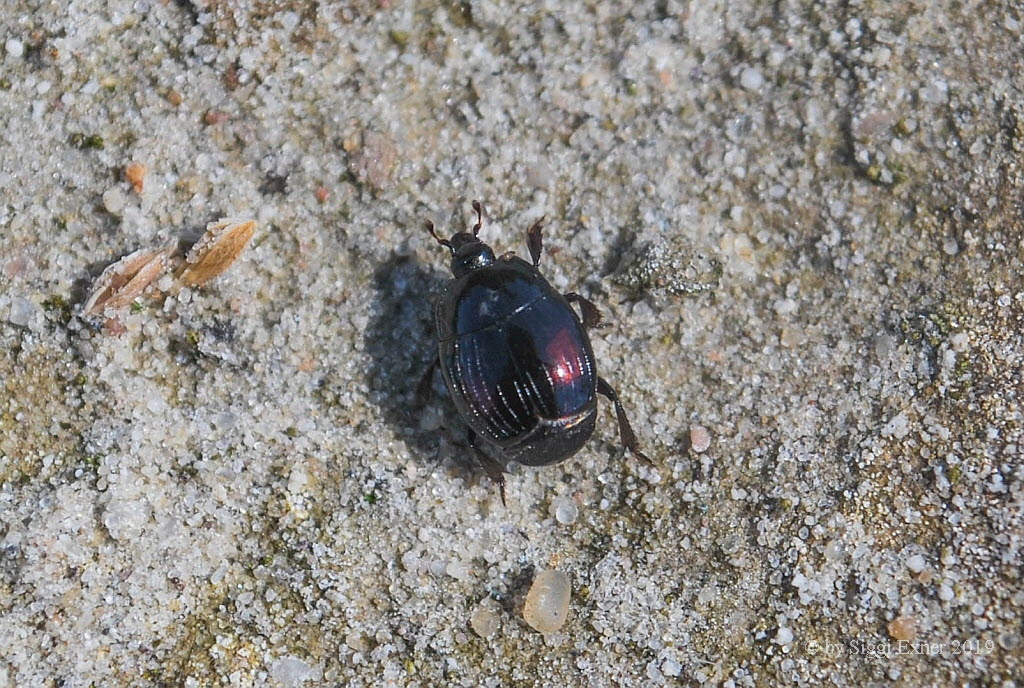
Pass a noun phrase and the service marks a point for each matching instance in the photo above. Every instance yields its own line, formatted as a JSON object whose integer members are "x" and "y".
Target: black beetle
{"x": 516, "y": 358}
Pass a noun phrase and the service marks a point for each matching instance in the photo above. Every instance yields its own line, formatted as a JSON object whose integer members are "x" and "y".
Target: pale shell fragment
{"x": 124, "y": 281}
{"x": 547, "y": 602}
{"x": 216, "y": 250}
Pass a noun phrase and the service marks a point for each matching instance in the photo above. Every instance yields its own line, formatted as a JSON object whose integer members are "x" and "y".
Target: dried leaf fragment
{"x": 216, "y": 250}
{"x": 122, "y": 282}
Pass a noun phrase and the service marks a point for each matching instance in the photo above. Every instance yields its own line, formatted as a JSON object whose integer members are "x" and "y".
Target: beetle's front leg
{"x": 591, "y": 316}
{"x": 625, "y": 429}
{"x": 494, "y": 469}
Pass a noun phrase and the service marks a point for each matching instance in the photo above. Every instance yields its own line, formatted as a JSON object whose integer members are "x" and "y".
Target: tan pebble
{"x": 231, "y": 79}
{"x": 357, "y": 642}
{"x": 321, "y": 194}
{"x": 791, "y": 337}
{"x": 485, "y": 619}
{"x": 547, "y": 602}
{"x": 135, "y": 173}
{"x": 903, "y": 628}
{"x": 213, "y": 117}
{"x": 113, "y": 327}
{"x": 700, "y": 439}
{"x": 174, "y": 98}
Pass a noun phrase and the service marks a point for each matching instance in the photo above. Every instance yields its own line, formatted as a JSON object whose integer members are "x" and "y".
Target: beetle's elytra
{"x": 516, "y": 357}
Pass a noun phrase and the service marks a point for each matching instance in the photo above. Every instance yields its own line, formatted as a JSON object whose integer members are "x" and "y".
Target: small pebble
{"x": 21, "y": 312}
{"x": 700, "y": 439}
{"x": 903, "y": 628}
{"x": 113, "y": 200}
{"x": 214, "y": 117}
{"x": 291, "y": 672}
{"x": 916, "y": 563}
{"x": 784, "y": 636}
{"x": 126, "y": 518}
{"x": 14, "y": 47}
{"x": 485, "y": 620}
{"x": 547, "y": 602}
{"x": 751, "y": 79}
{"x": 566, "y": 511}
{"x": 671, "y": 667}
{"x": 357, "y": 642}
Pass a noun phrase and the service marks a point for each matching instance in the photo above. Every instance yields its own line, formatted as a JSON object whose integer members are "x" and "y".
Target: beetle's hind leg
{"x": 625, "y": 429}
{"x": 424, "y": 385}
{"x": 494, "y": 469}
{"x": 592, "y": 319}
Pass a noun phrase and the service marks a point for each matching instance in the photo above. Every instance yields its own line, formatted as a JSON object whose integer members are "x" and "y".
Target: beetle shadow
{"x": 401, "y": 345}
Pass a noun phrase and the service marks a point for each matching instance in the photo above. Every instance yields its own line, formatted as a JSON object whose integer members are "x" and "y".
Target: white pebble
{"x": 547, "y": 602}
{"x": 784, "y": 636}
{"x": 751, "y": 79}
{"x": 566, "y": 512}
{"x": 22, "y": 311}
{"x": 671, "y": 667}
{"x": 114, "y": 200}
{"x": 916, "y": 563}
{"x": 125, "y": 519}
{"x": 291, "y": 672}
{"x": 458, "y": 570}
{"x": 700, "y": 439}
{"x": 14, "y": 47}
{"x": 945, "y": 593}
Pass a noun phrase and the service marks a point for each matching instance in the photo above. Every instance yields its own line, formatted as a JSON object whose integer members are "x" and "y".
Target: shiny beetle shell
{"x": 516, "y": 357}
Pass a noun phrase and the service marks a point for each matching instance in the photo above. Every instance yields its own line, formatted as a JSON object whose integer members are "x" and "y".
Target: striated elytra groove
{"x": 511, "y": 378}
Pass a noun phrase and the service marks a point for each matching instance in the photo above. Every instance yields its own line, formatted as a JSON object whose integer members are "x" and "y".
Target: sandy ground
{"x": 802, "y": 220}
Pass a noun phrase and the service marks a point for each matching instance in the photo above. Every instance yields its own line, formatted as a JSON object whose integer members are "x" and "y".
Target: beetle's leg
{"x": 425, "y": 383}
{"x": 494, "y": 469}
{"x": 591, "y": 316}
{"x": 535, "y": 241}
{"x": 625, "y": 429}
{"x": 479, "y": 217}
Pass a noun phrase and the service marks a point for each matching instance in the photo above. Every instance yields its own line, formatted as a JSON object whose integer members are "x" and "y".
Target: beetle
{"x": 516, "y": 357}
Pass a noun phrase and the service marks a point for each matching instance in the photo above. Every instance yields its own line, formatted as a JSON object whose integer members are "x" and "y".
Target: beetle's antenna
{"x": 444, "y": 242}
{"x": 479, "y": 217}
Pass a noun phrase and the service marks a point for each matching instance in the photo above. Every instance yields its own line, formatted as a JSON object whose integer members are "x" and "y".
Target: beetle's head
{"x": 468, "y": 252}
